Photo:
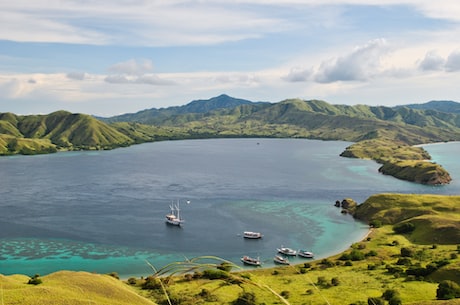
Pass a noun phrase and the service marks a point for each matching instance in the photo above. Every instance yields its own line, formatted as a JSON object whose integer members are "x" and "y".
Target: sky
{"x": 107, "y": 58}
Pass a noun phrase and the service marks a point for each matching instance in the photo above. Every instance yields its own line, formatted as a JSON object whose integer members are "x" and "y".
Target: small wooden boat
{"x": 305, "y": 253}
{"x": 281, "y": 260}
{"x": 251, "y": 261}
{"x": 252, "y": 235}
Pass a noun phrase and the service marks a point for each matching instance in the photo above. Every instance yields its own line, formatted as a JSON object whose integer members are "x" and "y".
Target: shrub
{"x": 448, "y": 290}
{"x": 335, "y": 281}
{"x": 321, "y": 281}
{"x": 407, "y": 252}
{"x": 356, "y": 255}
{"x": 132, "y": 281}
{"x": 404, "y": 261}
{"x": 371, "y": 253}
{"x": 390, "y": 293}
{"x": 285, "y": 294}
{"x": 245, "y": 298}
{"x": 151, "y": 283}
{"x": 114, "y": 274}
{"x": 404, "y": 228}
{"x": 214, "y": 274}
{"x": 371, "y": 267}
{"x": 35, "y": 280}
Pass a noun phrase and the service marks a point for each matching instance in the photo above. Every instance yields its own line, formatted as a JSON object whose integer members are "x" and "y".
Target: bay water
{"x": 104, "y": 211}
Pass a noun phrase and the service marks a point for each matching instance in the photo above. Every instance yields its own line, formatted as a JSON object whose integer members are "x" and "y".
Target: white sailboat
{"x": 173, "y": 218}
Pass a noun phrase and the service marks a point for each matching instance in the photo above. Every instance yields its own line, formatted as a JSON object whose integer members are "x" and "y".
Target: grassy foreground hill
{"x": 387, "y": 267}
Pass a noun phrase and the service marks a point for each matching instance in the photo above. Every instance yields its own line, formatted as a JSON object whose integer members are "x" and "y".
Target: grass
{"x": 70, "y": 288}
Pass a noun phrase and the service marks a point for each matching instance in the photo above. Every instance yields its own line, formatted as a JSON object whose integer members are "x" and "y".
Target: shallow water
{"x": 104, "y": 211}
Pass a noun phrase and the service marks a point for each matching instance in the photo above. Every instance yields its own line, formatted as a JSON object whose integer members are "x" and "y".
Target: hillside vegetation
{"x": 434, "y": 218}
{"x": 383, "y": 134}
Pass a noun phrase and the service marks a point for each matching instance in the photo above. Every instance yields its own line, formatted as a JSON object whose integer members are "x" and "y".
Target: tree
{"x": 448, "y": 290}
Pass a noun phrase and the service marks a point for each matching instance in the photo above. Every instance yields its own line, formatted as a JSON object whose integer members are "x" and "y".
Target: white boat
{"x": 287, "y": 251}
{"x": 252, "y": 235}
{"x": 173, "y": 218}
{"x": 251, "y": 261}
{"x": 281, "y": 260}
{"x": 305, "y": 253}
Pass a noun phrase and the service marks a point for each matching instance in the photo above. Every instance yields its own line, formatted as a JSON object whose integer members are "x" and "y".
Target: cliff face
{"x": 417, "y": 171}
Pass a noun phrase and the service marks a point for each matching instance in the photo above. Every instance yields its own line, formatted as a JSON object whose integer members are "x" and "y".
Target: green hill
{"x": 72, "y": 288}
{"x": 435, "y": 218}
{"x": 35, "y": 134}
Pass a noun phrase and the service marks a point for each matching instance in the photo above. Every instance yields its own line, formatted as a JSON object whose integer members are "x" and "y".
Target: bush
{"x": 396, "y": 300}
{"x": 114, "y": 274}
{"x": 132, "y": 281}
{"x": 245, "y": 298}
{"x": 335, "y": 281}
{"x": 151, "y": 283}
{"x": 35, "y": 280}
{"x": 404, "y": 228}
{"x": 407, "y": 252}
{"x": 390, "y": 293}
{"x": 448, "y": 290}
{"x": 214, "y": 274}
{"x": 357, "y": 255}
{"x": 405, "y": 261}
{"x": 285, "y": 294}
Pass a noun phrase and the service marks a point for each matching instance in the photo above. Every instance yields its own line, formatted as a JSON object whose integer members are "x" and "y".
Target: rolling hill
{"x": 384, "y": 134}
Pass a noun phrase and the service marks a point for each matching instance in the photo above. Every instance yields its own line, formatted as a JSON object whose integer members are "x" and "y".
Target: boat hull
{"x": 281, "y": 260}
{"x": 287, "y": 251}
{"x": 252, "y": 235}
{"x": 305, "y": 254}
{"x": 250, "y": 261}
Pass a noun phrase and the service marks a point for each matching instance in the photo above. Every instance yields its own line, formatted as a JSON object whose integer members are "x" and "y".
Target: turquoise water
{"x": 104, "y": 211}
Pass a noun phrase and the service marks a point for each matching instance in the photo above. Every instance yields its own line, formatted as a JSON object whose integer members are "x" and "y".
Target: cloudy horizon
{"x": 128, "y": 55}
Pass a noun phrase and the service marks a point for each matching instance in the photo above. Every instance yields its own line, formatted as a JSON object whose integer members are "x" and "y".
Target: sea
{"x": 104, "y": 211}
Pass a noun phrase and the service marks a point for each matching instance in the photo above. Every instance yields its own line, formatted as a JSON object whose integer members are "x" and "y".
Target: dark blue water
{"x": 104, "y": 211}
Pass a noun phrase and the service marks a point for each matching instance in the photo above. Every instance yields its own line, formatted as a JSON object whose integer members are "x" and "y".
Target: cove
{"x": 103, "y": 211}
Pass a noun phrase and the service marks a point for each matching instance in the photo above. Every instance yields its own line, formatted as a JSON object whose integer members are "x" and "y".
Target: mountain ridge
{"x": 398, "y": 128}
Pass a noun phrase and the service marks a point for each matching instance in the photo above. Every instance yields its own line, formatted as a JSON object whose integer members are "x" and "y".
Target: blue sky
{"x": 121, "y": 56}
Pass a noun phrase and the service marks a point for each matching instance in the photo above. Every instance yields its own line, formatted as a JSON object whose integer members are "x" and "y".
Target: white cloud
{"x": 432, "y": 61}
{"x": 298, "y": 74}
{"x": 360, "y": 65}
{"x": 453, "y": 61}
{"x": 132, "y": 67}
{"x": 77, "y": 75}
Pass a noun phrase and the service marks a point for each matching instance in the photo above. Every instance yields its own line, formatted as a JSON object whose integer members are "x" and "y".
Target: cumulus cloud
{"x": 360, "y": 65}
{"x": 298, "y": 75}
{"x": 135, "y": 72}
{"x": 76, "y": 75}
{"x": 432, "y": 61}
{"x": 132, "y": 67}
{"x": 453, "y": 61}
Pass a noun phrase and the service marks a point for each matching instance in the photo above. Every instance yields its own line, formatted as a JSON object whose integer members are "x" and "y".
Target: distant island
{"x": 387, "y": 135}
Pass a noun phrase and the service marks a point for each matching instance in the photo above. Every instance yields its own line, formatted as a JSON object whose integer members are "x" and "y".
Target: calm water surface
{"x": 104, "y": 211}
